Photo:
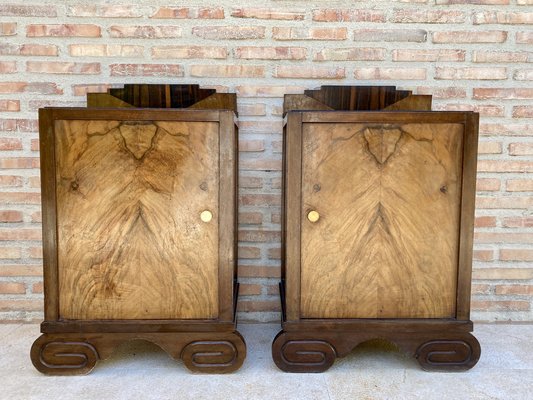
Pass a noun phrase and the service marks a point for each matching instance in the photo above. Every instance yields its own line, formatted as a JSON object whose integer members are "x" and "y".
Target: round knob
{"x": 206, "y": 216}
{"x": 313, "y": 216}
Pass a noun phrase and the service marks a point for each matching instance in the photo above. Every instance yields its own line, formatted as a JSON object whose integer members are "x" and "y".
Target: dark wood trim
{"x": 380, "y": 116}
{"x": 132, "y": 326}
{"x": 293, "y": 189}
{"x": 49, "y": 213}
{"x": 468, "y": 206}
{"x": 226, "y": 217}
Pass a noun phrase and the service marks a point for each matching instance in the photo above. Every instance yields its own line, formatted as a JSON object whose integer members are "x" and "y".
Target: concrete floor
{"x": 140, "y": 370}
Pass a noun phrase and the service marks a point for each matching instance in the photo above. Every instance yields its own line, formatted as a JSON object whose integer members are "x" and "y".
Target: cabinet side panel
{"x": 131, "y": 243}
{"x": 388, "y": 200}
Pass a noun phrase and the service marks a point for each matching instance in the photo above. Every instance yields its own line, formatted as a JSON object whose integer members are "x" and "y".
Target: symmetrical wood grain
{"x": 389, "y": 199}
{"x": 131, "y": 244}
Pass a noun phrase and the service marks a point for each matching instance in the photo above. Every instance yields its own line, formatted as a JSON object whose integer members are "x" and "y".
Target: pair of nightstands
{"x": 139, "y": 219}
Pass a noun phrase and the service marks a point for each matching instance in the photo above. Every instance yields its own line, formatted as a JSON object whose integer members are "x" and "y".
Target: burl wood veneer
{"x": 378, "y": 225}
{"x": 139, "y": 211}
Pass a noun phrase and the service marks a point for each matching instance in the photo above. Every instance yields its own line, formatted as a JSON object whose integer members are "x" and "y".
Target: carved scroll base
{"x": 315, "y": 349}
{"x": 77, "y": 353}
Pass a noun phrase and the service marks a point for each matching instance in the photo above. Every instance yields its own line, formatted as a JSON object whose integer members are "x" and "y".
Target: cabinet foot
{"x": 452, "y": 354}
{"x": 77, "y": 353}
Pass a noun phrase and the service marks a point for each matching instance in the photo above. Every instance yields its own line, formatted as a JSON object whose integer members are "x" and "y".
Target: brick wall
{"x": 470, "y": 54}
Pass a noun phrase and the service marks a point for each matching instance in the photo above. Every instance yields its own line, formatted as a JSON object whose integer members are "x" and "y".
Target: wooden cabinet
{"x": 139, "y": 218}
{"x": 378, "y": 227}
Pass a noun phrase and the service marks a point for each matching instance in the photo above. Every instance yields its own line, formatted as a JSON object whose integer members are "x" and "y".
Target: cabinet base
{"x": 437, "y": 345}
{"x": 77, "y": 353}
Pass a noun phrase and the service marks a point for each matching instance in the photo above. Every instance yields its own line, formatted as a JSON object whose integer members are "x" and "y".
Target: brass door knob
{"x": 313, "y": 216}
{"x": 206, "y": 216}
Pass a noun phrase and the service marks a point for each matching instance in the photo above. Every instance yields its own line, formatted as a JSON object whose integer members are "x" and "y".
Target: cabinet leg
{"x": 451, "y": 354}
{"x": 54, "y": 356}
{"x": 302, "y": 355}
{"x": 215, "y": 356}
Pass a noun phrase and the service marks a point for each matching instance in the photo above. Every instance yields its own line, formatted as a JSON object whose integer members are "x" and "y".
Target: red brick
{"x": 105, "y": 11}
{"x": 275, "y": 217}
{"x": 500, "y": 56}
{"x": 10, "y": 253}
{"x": 485, "y": 110}
{"x": 12, "y": 288}
{"x": 502, "y": 17}
{"x": 189, "y": 13}
{"x": 271, "y": 53}
{"x": 505, "y": 129}
{"x": 7, "y": 144}
{"x": 255, "y": 109}
{"x": 37, "y": 287}
{"x": 274, "y": 254}
{"x": 490, "y": 305}
{"x": 65, "y": 30}
{"x": 521, "y": 149}
{"x": 305, "y": 72}
{"x": 524, "y": 2}
{"x": 8, "y": 67}
{"x": 250, "y": 182}
{"x": 19, "y": 162}
{"x": 83, "y": 89}
{"x": 249, "y": 289}
{"x": 488, "y": 184}
{"x": 10, "y": 216}
{"x": 518, "y": 222}
{"x": 8, "y": 28}
{"x": 503, "y": 93}
{"x": 34, "y": 182}
{"x": 250, "y": 218}
{"x": 36, "y": 217}
{"x": 523, "y": 75}
{"x": 503, "y": 237}
{"x": 504, "y": 202}
{"x": 260, "y": 200}
{"x": 104, "y": 50}
{"x": 20, "y": 234}
{"x": 519, "y": 185}
{"x": 470, "y": 37}
{"x": 20, "y": 198}
{"x": 475, "y": 2}
{"x": 145, "y": 31}
{"x": 348, "y": 15}
{"x": 145, "y": 70}
{"x": 390, "y": 35}
{"x": 258, "y": 271}
{"x": 227, "y": 71}
{"x": 255, "y": 306}
{"x": 30, "y": 87}
{"x": 428, "y": 16}
{"x": 485, "y": 222}
{"x": 472, "y": 73}
{"x": 34, "y": 145}
{"x": 249, "y": 252}
{"x": 390, "y": 73}
{"x": 524, "y": 37}
{"x": 21, "y": 270}
{"x": 9, "y": 105}
{"x": 443, "y": 92}
{"x": 251, "y": 145}
{"x": 21, "y": 305}
{"x": 267, "y": 91}
{"x": 522, "y": 112}
{"x": 28, "y": 49}
{"x": 34, "y": 105}
{"x": 428, "y": 55}
{"x": 516, "y": 255}
{"x": 489, "y": 148}
{"x": 19, "y": 10}
{"x": 478, "y": 289}
{"x": 173, "y": 52}
{"x": 287, "y": 33}
{"x": 58, "y": 67}
{"x": 483, "y": 255}
{"x": 518, "y": 290}
{"x": 254, "y": 235}
{"x": 260, "y": 165}
{"x": 351, "y": 54}
{"x": 268, "y": 13}
{"x": 229, "y": 32}
{"x": 36, "y": 252}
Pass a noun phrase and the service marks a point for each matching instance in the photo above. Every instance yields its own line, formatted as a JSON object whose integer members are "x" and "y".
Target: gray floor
{"x": 139, "y": 370}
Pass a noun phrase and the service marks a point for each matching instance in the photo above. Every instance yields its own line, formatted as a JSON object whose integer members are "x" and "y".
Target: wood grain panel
{"x": 386, "y": 243}
{"x": 131, "y": 244}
